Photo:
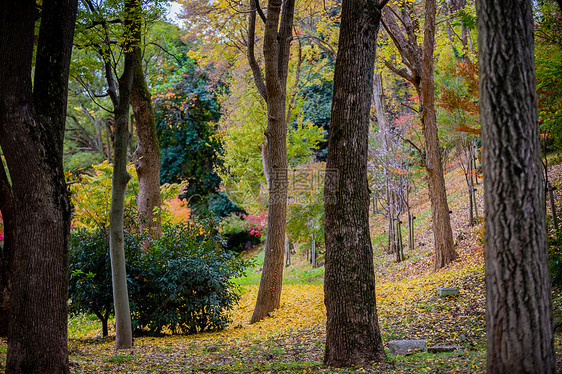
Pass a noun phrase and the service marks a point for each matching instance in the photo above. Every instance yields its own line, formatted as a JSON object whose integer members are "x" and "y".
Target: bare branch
{"x": 404, "y": 73}
{"x": 256, "y": 71}
{"x": 167, "y": 52}
{"x": 421, "y": 153}
{"x": 260, "y": 12}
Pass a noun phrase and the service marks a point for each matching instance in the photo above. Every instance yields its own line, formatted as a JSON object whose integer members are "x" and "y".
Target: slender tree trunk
{"x": 420, "y": 74}
{"x": 387, "y": 146}
{"x": 518, "y": 296}
{"x": 123, "y": 328}
{"x": 277, "y": 42}
{"x": 147, "y": 155}
{"x": 441, "y": 221}
{"x": 32, "y": 121}
{"x": 553, "y": 209}
{"x": 352, "y": 331}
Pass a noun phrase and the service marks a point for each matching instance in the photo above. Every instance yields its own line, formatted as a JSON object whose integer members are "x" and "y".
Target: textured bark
{"x": 147, "y": 155}
{"x": 277, "y": 43}
{"x": 419, "y": 72}
{"x": 518, "y": 297}
{"x": 441, "y": 220}
{"x": 6, "y": 207}
{"x": 352, "y": 331}
{"x": 32, "y": 121}
{"x": 123, "y": 328}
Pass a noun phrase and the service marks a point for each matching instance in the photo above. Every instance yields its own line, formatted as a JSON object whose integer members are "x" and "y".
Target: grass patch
{"x": 83, "y": 326}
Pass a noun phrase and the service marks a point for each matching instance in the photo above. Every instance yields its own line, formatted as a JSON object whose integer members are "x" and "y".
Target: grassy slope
{"x": 292, "y": 339}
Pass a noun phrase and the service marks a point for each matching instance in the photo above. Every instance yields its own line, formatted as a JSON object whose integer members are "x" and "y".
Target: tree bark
{"x": 277, "y": 43}
{"x": 419, "y": 72}
{"x": 32, "y": 122}
{"x": 518, "y": 296}
{"x": 441, "y": 220}
{"x": 352, "y": 331}
{"x": 123, "y": 328}
{"x": 6, "y": 207}
{"x": 147, "y": 155}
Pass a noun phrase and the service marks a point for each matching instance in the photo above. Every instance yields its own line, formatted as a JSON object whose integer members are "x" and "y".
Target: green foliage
{"x": 239, "y": 231}
{"x": 186, "y": 114}
{"x": 187, "y": 109}
{"x": 185, "y": 285}
{"x": 305, "y": 209}
{"x": 90, "y": 288}
{"x": 181, "y": 283}
{"x": 316, "y": 107}
{"x": 80, "y": 161}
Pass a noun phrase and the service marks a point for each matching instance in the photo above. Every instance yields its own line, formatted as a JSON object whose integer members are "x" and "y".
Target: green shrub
{"x": 239, "y": 231}
{"x": 185, "y": 285}
{"x": 90, "y": 287}
{"x": 182, "y": 282}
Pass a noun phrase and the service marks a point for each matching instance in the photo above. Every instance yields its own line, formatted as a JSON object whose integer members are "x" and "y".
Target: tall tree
{"x": 419, "y": 72}
{"x": 352, "y": 331}
{"x": 7, "y": 210}
{"x": 32, "y": 120}
{"x": 518, "y": 297}
{"x": 273, "y": 88}
{"x": 147, "y": 155}
{"x": 123, "y": 328}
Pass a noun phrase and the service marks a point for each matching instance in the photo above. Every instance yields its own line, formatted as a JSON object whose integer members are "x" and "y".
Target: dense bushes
{"x": 240, "y": 232}
{"x": 181, "y": 283}
{"x": 90, "y": 287}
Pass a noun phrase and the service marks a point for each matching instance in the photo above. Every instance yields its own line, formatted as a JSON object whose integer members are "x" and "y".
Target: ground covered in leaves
{"x": 292, "y": 339}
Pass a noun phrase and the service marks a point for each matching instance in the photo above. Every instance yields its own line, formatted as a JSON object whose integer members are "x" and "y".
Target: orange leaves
{"x": 179, "y": 210}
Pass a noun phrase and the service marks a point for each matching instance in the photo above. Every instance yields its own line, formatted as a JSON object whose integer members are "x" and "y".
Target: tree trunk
{"x": 277, "y": 43}
{"x": 518, "y": 295}
{"x": 420, "y": 74}
{"x": 123, "y": 328}
{"x": 441, "y": 221}
{"x": 32, "y": 121}
{"x": 147, "y": 155}
{"x": 6, "y": 208}
{"x": 352, "y": 331}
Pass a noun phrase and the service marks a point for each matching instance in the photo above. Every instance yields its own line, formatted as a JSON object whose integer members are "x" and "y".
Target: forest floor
{"x": 292, "y": 339}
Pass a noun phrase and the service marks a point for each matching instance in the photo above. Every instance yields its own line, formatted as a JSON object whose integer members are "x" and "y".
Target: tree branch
{"x": 401, "y": 72}
{"x": 167, "y": 52}
{"x": 250, "y": 52}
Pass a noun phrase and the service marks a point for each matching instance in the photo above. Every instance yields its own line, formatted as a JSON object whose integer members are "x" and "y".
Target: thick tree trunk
{"x": 31, "y": 136}
{"x": 352, "y": 331}
{"x": 6, "y": 207}
{"x": 277, "y": 42}
{"x": 123, "y": 328}
{"x": 147, "y": 155}
{"x": 518, "y": 295}
{"x": 441, "y": 221}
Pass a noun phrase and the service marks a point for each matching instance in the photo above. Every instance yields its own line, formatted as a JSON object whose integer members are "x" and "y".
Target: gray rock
{"x": 444, "y": 348}
{"x": 403, "y": 347}
{"x": 443, "y": 292}
{"x": 212, "y": 348}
